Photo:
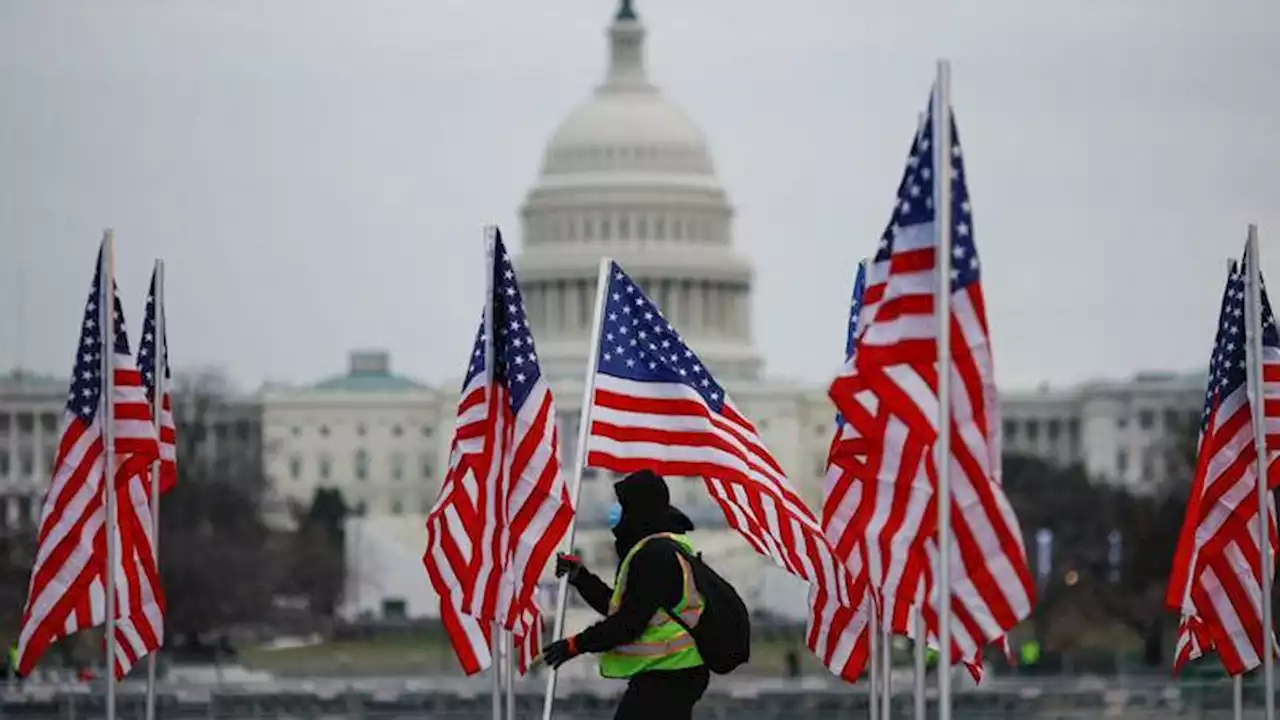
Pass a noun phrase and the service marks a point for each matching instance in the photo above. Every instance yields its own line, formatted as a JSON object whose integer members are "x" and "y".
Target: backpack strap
{"x": 690, "y": 558}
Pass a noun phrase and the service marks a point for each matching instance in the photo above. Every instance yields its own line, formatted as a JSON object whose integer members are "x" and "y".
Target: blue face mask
{"x": 614, "y": 516}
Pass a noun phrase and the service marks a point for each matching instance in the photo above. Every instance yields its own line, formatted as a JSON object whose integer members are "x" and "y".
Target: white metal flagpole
{"x": 919, "y": 650}
{"x": 584, "y": 433}
{"x": 496, "y": 655}
{"x": 1237, "y": 681}
{"x": 1253, "y": 282}
{"x": 886, "y": 667}
{"x": 160, "y": 387}
{"x": 106, "y": 410}
{"x": 873, "y": 667}
{"x": 942, "y": 209}
{"x": 510, "y": 668}
{"x": 497, "y": 662}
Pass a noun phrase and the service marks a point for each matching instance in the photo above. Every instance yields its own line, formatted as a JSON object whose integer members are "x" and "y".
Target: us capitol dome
{"x": 629, "y": 175}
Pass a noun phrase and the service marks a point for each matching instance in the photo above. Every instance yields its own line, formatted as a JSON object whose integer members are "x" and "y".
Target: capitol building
{"x": 628, "y": 174}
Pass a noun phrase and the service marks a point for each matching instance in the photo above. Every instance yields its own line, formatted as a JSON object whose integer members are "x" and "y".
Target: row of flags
{"x": 1216, "y": 584}
{"x": 871, "y": 559}
{"x": 109, "y": 404}
{"x": 653, "y": 404}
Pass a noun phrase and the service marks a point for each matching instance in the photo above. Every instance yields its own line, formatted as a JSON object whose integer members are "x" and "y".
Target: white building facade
{"x": 376, "y": 436}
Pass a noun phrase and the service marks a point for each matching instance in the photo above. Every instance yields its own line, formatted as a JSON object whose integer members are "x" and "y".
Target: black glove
{"x": 570, "y": 565}
{"x": 560, "y": 652}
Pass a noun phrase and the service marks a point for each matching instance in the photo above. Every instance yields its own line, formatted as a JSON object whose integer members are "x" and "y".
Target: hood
{"x": 646, "y": 509}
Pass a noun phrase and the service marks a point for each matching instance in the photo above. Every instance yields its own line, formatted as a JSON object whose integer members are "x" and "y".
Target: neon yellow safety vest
{"x": 663, "y": 645}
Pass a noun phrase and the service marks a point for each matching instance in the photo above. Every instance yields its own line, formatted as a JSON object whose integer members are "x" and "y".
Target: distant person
{"x": 793, "y": 663}
{"x": 670, "y": 621}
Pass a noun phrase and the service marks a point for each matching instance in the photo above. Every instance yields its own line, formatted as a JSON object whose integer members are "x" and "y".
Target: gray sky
{"x": 316, "y": 173}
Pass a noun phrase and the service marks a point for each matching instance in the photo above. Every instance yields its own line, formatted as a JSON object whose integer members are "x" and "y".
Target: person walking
{"x": 647, "y": 635}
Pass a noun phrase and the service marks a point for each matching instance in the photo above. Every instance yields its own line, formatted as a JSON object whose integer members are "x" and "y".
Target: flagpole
{"x": 1254, "y": 316}
{"x": 497, "y": 658}
{"x": 919, "y": 650}
{"x": 106, "y": 410}
{"x": 159, "y": 386}
{"x": 1237, "y": 681}
{"x": 1237, "y": 697}
{"x": 942, "y": 214}
{"x": 873, "y": 676}
{"x": 886, "y": 665}
{"x": 510, "y": 667}
{"x": 584, "y": 432}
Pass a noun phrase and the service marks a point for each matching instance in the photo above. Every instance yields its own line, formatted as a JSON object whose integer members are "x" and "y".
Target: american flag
{"x": 656, "y": 406}
{"x": 153, "y": 325}
{"x": 67, "y": 589}
{"x": 1216, "y": 581}
{"x": 889, "y": 390}
{"x": 504, "y": 506}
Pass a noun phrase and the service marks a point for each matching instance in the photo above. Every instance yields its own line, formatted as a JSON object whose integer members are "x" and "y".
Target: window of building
{"x": 1171, "y": 422}
{"x": 26, "y": 462}
{"x": 397, "y": 431}
{"x": 26, "y": 422}
{"x": 397, "y": 466}
{"x": 642, "y": 228}
{"x": 659, "y": 228}
{"x": 427, "y": 431}
{"x": 1146, "y": 419}
{"x": 606, "y": 231}
{"x": 362, "y": 465}
{"x": 1122, "y": 422}
{"x": 1010, "y": 430}
{"x": 326, "y": 467}
{"x": 1053, "y": 429}
{"x": 4, "y": 423}
{"x": 1122, "y": 463}
{"x": 1073, "y": 431}
{"x": 361, "y": 507}
{"x": 49, "y": 423}
{"x": 324, "y": 431}
{"x": 4, "y": 461}
{"x": 1033, "y": 430}
{"x": 396, "y": 507}
{"x": 361, "y": 430}
{"x": 624, "y": 228}
{"x": 297, "y": 431}
{"x": 295, "y": 467}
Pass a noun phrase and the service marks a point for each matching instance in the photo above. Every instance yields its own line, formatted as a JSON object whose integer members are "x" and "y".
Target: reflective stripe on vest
{"x": 664, "y": 644}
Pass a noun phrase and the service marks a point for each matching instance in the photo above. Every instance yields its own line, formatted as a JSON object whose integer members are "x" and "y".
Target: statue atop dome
{"x": 625, "y": 11}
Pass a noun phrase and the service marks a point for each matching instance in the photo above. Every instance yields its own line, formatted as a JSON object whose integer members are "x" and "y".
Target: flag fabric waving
{"x": 889, "y": 389}
{"x": 67, "y": 588}
{"x": 656, "y": 406}
{"x": 504, "y": 506}
{"x": 152, "y": 328}
{"x": 1216, "y": 580}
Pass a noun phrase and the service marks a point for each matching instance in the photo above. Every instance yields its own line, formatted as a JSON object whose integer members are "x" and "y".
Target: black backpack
{"x": 723, "y": 632}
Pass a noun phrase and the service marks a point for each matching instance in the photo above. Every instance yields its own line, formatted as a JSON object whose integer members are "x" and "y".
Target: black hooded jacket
{"x": 654, "y": 579}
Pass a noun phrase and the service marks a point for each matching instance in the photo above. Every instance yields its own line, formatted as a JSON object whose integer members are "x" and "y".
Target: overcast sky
{"x": 317, "y": 173}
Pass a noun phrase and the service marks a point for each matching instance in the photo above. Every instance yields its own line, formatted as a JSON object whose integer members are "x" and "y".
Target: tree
{"x": 213, "y": 560}
{"x": 1082, "y": 512}
{"x": 318, "y": 558}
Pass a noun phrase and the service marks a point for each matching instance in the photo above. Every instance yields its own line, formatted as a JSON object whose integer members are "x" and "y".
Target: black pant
{"x": 663, "y": 694}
